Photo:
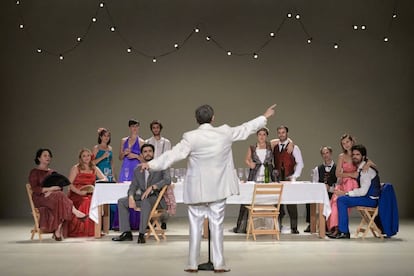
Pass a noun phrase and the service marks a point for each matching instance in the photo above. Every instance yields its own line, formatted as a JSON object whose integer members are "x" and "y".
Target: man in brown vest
{"x": 288, "y": 166}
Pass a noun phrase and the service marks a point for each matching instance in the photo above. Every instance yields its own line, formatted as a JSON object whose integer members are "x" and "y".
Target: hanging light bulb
{"x": 229, "y": 53}
{"x": 363, "y": 27}
{"x": 129, "y": 50}
{"x": 272, "y": 34}
{"x": 112, "y": 29}
{"x": 79, "y": 39}
{"x": 176, "y": 46}
{"x": 298, "y": 16}
{"x": 21, "y": 26}
{"x": 17, "y": 2}
{"x": 309, "y": 40}
{"x": 289, "y": 15}
{"x": 355, "y": 27}
{"x": 61, "y": 57}
{"x": 101, "y": 5}
{"x": 394, "y": 15}
{"x": 255, "y": 56}
{"x": 93, "y": 19}
{"x": 154, "y": 59}
{"x": 39, "y": 50}
{"x": 208, "y": 38}
{"x": 386, "y": 39}
{"x": 336, "y": 46}
{"x": 196, "y": 30}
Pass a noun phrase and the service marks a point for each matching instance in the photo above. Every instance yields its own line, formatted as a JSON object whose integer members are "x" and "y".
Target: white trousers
{"x": 214, "y": 211}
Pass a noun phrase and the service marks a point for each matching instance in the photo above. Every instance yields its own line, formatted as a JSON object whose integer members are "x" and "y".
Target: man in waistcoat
{"x": 367, "y": 195}
{"x": 288, "y": 166}
{"x": 324, "y": 173}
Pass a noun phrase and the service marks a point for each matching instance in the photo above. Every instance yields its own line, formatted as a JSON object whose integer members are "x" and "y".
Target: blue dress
{"x": 126, "y": 174}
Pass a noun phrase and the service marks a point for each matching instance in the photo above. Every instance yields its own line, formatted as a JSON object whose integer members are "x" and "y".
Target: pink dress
{"x": 347, "y": 184}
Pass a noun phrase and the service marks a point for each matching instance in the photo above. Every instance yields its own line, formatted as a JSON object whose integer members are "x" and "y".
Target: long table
{"x": 299, "y": 192}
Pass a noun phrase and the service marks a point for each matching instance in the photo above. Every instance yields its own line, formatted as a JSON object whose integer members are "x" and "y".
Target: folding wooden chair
{"x": 154, "y": 225}
{"x": 265, "y": 203}
{"x": 35, "y": 213}
{"x": 367, "y": 223}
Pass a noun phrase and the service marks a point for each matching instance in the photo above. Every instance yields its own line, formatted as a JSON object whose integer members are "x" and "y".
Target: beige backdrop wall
{"x": 363, "y": 88}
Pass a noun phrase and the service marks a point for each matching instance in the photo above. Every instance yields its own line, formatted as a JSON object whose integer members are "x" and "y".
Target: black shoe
{"x": 141, "y": 238}
{"x": 163, "y": 226}
{"x": 340, "y": 235}
{"x": 125, "y": 236}
{"x": 307, "y": 230}
{"x": 294, "y": 231}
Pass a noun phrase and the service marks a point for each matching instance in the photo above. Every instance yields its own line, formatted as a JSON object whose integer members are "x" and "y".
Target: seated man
{"x": 367, "y": 195}
{"x": 141, "y": 194}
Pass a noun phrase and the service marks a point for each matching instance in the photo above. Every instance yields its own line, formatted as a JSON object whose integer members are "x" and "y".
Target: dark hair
{"x": 327, "y": 147}
{"x": 281, "y": 127}
{"x": 146, "y": 146}
{"x": 132, "y": 122}
{"x": 265, "y": 129}
{"x": 101, "y": 132}
{"x": 361, "y": 148}
{"x": 204, "y": 114}
{"x": 39, "y": 153}
{"x": 155, "y": 122}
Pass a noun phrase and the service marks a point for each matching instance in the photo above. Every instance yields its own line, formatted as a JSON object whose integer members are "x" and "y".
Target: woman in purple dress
{"x": 130, "y": 155}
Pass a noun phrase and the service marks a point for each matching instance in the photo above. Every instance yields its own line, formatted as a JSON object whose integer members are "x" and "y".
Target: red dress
{"x": 79, "y": 228}
{"x": 55, "y": 208}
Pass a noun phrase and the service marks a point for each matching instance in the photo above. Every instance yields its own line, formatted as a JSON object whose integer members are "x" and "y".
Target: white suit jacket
{"x": 210, "y": 169}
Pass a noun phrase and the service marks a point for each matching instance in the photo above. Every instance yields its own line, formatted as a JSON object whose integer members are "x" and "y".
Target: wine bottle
{"x": 266, "y": 173}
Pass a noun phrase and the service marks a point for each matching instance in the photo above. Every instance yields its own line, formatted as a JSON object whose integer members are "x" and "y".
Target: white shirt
{"x": 364, "y": 181}
{"x": 160, "y": 146}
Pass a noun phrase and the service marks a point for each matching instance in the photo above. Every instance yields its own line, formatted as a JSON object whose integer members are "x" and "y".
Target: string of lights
{"x": 131, "y": 49}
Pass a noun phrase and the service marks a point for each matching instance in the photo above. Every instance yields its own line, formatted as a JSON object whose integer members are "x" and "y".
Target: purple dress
{"x": 126, "y": 174}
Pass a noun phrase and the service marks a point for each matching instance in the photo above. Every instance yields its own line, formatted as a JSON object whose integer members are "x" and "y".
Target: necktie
{"x": 282, "y": 147}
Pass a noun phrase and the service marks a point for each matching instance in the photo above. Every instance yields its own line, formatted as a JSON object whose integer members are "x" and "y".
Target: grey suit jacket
{"x": 138, "y": 185}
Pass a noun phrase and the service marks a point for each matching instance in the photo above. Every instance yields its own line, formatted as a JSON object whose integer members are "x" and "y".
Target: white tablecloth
{"x": 293, "y": 193}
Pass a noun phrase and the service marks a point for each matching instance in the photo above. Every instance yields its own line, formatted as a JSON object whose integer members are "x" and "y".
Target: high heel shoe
{"x": 56, "y": 238}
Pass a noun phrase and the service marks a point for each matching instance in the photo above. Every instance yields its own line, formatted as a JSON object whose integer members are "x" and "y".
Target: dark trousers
{"x": 293, "y": 214}
{"x": 308, "y": 209}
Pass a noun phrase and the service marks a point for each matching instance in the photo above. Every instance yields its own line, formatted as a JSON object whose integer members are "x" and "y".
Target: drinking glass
{"x": 240, "y": 173}
{"x": 172, "y": 172}
{"x": 246, "y": 173}
{"x": 126, "y": 173}
{"x": 106, "y": 172}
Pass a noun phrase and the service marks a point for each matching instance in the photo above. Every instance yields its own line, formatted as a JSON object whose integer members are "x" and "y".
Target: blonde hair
{"x": 81, "y": 165}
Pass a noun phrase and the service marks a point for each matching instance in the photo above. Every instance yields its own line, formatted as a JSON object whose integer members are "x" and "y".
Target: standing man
{"x": 161, "y": 145}
{"x": 141, "y": 194}
{"x": 324, "y": 173}
{"x": 289, "y": 167}
{"x": 367, "y": 195}
{"x": 210, "y": 179}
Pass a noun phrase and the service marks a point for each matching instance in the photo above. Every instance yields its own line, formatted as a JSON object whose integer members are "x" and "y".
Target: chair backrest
{"x": 267, "y": 194}
{"x": 30, "y": 196}
{"x": 157, "y": 202}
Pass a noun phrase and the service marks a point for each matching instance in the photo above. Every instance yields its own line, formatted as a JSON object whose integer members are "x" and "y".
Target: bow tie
{"x": 328, "y": 166}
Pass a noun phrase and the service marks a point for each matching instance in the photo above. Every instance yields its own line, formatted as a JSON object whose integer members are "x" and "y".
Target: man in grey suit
{"x": 141, "y": 193}
{"x": 210, "y": 178}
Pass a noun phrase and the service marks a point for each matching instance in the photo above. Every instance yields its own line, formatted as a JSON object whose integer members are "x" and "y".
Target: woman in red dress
{"x": 82, "y": 177}
{"x": 56, "y": 209}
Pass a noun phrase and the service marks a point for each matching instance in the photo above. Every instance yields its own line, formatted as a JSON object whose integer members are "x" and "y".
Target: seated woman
{"x": 82, "y": 177}
{"x": 56, "y": 209}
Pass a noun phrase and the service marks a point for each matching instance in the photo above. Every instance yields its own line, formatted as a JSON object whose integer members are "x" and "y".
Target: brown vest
{"x": 288, "y": 160}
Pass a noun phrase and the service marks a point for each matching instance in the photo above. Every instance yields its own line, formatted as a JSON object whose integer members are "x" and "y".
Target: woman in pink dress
{"x": 347, "y": 175}
{"x": 56, "y": 209}
{"x": 82, "y": 177}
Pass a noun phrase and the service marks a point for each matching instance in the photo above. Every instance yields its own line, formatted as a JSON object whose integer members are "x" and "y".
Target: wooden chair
{"x": 35, "y": 213}
{"x": 269, "y": 192}
{"x": 367, "y": 223}
{"x": 154, "y": 225}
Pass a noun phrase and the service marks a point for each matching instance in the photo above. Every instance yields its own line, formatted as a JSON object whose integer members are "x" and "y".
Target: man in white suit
{"x": 210, "y": 179}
